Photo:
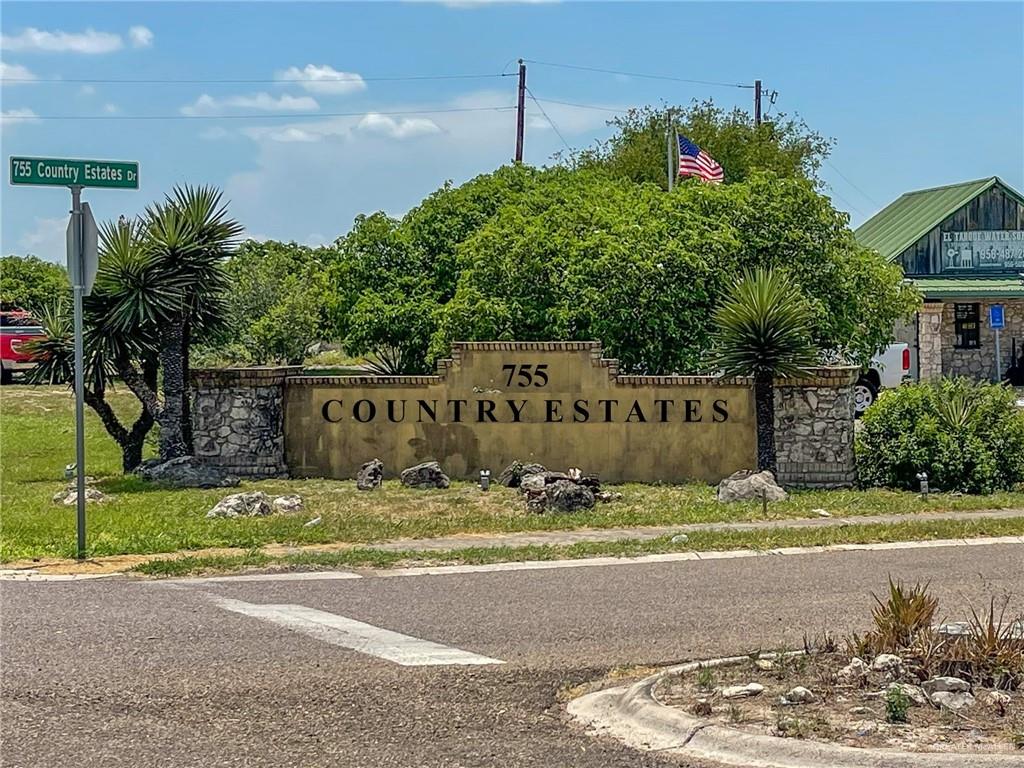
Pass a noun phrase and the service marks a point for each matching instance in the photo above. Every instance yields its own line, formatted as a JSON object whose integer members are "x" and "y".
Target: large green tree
{"x": 783, "y": 145}
{"x": 586, "y": 255}
{"x": 28, "y": 282}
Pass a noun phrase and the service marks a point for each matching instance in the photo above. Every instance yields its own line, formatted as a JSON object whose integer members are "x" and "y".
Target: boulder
{"x": 605, "y": 497}
{"x": 185, "y": 472}
{"x": 290, "y": 503}
{"x": 252, "y": 504}
{"x": 566, "y": 496}
{"x": 998, "y": 701}
{"x": 742, "y": 691}
{"x": 370, "y": 476}
{"x": 951, "y": 693}
{"x": 746, "y": 485}
{"x": 425, "y": 475}
{"x": 798, "y": 695}
{"x": 533, "y": 469}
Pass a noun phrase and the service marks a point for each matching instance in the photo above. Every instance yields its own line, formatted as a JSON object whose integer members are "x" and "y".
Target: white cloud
{"x": 46, "y": 239}
{"x": 9, "y": 118}
{"x": 111, "y": 109}
{"x": 214, "y": 133}
{"x": 208, "y": 105}
{"x": 141, "y": 37}
{"x": 402, "y": 128}
{"x": 90, "y": 41}
{"x": 323, "y": 79}
{"x": 15, "y": 74}
{"x": 87, "y": 90}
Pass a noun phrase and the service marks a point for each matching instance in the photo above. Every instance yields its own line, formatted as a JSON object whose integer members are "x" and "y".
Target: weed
{"x": 735, "y": 714}
{"x": 705, "y": 679}
{"x": 897, "y": 703}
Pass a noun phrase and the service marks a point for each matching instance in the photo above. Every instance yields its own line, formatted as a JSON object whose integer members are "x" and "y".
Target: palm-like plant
{"x": 763, "y": 330}
{"x": 188, "y": 236}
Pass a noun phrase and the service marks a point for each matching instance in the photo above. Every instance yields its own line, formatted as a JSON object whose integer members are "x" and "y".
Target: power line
{"x": 550, "y": 121}
{"x": 244, "y": 81}
{"x": 639, "y": 74}
{"x": 289, "y": 116}
{"x": 847, "y": 180}
{"x": 583, "y": 106}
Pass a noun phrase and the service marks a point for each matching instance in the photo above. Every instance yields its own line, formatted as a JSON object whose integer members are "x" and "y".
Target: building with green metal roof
{"x": 962, "y": 245}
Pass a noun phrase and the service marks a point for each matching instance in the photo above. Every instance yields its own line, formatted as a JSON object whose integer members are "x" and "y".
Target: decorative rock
{"x": 605, "y": 497}
{"x": 742, "y": 691}
{"x": 69, "y": 496}
{"x": 533, "y": 469}
{"x": 680, "y": 538}
{"x": 764, "y": 665}
{"x": 313, "y": 523}
{"x": 915, "y": 695}
{"x": 946, "y": 685}
{"x": 889, "y": 664}
{"x": 253, "y": 504}
{"x": 511, "y": 475}
{"x": 951, "y": 701}
{"x": 746, "y": 485}
{"x": 185, "y": 472}
{"x": 821, "y": 512}
{"x": 425, "y": 475}
{"x": 860, "y": 710}
{"x": 575, "y": 474}
{"x": 998, "y": 702}
{"x": 567, "y": 496}
{"x": 534, "y": 483}
{"x": 951, "y": 693}
{"x": 853, "y": 672}
{"x": 289, "y": 503}
{"x": 799, "y": 695}
{"x": 370, "y": 475}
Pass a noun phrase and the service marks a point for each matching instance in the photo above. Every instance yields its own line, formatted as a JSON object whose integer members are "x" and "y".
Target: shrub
{"x": 967, "y": 437}
{"x": 896, "y": 705}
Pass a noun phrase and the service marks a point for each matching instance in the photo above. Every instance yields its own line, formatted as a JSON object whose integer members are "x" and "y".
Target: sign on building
{"x": 998, "y": 250}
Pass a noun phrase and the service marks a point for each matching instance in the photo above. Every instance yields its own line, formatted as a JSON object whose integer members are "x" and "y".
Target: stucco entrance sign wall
{"x": 557, "y": 403}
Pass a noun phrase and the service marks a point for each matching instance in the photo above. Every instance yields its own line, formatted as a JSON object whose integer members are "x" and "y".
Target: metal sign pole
{"x": 999, "y": 360}
{"x": 78, "y": 278}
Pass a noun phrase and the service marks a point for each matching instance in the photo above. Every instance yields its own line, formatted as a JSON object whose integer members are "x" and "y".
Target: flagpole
{"x": 668, "y": 148}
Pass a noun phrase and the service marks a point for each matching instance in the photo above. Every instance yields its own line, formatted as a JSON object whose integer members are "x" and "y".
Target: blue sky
{"x": 916, "y": 95}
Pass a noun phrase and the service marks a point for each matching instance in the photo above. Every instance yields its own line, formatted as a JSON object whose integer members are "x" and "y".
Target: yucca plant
{"x": 763, "y": 330}
{"x": 187, "y": 237}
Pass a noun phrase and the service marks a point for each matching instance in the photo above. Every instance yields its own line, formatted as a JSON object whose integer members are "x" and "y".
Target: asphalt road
{"x": 144, "y": 673}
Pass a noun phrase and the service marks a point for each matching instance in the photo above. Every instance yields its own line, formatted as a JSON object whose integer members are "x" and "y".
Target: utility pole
{"x": 669, "y": 138}
{"x": 757, "y": 103}
{"x": 521, "y": 112}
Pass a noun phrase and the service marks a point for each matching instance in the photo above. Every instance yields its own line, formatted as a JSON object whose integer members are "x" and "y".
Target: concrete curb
{"x": 632, "y": 714}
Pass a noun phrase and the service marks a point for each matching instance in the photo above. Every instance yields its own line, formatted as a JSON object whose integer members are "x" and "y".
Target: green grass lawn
{"x": 37, "y": 441}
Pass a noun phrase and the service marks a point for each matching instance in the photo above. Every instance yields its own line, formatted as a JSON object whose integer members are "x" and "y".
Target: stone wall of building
{"x": 814, "y": 429}
{"x": 238, "y": 419}
{"x": 979, "y": 363}
{"x": 930, "y": 341}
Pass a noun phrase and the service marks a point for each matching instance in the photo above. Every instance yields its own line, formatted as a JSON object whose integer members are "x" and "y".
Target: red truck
{"x": 16, "y": 328}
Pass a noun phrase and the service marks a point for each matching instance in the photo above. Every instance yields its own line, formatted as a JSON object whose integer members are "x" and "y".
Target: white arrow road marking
{"x": 357, "y": 636}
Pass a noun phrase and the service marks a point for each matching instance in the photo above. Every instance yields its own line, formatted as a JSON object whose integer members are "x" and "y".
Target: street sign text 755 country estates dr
{"x": 56, "y": 172}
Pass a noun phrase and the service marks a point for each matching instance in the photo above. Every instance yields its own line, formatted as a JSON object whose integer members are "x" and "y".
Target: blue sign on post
{"x": 995, "y": 317}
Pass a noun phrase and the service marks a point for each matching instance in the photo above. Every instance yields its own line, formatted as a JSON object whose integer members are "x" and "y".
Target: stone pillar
{"x": 814, "y": 429}
{"x": 929, "y": 339}
{"x": 238, "y": 419}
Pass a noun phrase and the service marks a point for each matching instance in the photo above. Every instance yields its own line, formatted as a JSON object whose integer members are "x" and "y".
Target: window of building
{"x": 967, "y": 326}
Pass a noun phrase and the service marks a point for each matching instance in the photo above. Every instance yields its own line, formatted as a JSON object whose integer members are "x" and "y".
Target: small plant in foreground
{"x": 1017, "y": 739}
{"x": 705, "y": 679}
{"x": 900, "y": 618}
{"x": 897, "y": 703}
{"x": 735, "y": 714}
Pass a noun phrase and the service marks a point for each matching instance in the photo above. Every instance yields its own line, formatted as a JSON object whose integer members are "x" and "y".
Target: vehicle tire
{"x": 864, "y": 395}
{"x": 6, "y": 375}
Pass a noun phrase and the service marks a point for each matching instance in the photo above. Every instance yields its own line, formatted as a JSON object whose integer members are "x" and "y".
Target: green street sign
{"x": 58, "y": 172}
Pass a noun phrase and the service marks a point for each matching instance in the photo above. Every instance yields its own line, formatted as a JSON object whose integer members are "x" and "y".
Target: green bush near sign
{"x": 966, "y": 437}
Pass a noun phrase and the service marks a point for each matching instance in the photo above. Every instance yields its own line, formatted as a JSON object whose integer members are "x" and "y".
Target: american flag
{"x": 694, "y": 161}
